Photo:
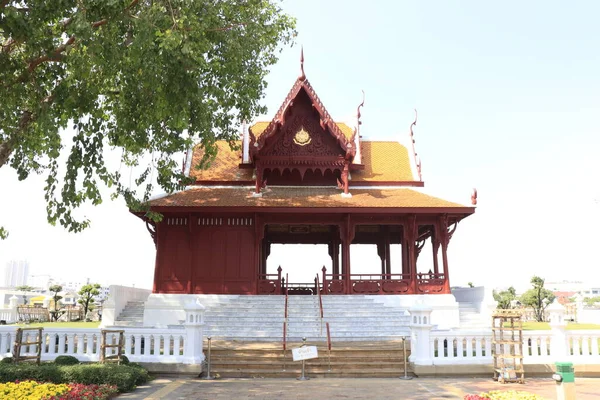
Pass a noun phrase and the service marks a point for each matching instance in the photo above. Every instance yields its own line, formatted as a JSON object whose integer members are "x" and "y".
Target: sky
{"x": 508, "y": 97}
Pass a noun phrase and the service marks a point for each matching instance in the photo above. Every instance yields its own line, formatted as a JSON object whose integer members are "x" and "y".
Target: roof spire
{"x": 358, "y": 110}
{"x": 474, "y": 197}
{"x": 412, "y": 140}
{"x": 356, "y": 136}
{"x": 302, "y": 75}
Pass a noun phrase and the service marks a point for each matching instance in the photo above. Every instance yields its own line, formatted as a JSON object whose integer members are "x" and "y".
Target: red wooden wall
{"x": 206, "y": 255}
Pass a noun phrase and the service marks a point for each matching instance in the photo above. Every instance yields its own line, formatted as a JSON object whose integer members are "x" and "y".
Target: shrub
{"x": 124, "y": 360}
{"x": 6, "y": 360}
{"x": 124, "y": 377}
{"x": 66, "y": 360}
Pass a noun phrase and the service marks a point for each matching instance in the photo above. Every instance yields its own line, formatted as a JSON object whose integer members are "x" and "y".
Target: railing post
{"x": 13, "y": 302}
{"x": 194, "y": 323}
{"x": 279, "y": 279}
{"x": 559, "y": 345}
{"x": 324, "y": 279}
{"x": 420, "y": 327}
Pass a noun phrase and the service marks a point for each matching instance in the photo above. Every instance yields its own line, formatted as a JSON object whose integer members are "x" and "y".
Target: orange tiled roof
{"x": 259, "y": 127}
{"x": 311, "y": 197}
{"x": 383, "y": 161}
{"x": 225, "y": 166}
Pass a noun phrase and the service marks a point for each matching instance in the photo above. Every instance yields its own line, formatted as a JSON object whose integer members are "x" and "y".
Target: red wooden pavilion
{"x": 302, "y": 178}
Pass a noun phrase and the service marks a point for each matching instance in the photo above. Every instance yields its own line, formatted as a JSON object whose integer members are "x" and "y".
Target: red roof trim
{"x": 279, "y": 119}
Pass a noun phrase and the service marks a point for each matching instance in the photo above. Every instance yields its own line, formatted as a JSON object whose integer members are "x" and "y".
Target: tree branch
{"x": 55, "y": 56}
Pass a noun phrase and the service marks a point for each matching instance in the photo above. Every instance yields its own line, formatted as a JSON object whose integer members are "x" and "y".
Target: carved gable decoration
{"x": 302, "y": 135}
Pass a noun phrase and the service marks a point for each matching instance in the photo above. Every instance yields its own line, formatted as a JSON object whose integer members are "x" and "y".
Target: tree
{"x": 538, "y": 298}
{"x": 24, "y": 289}
{"x": 590, "y": 301}
{"x": 56, "y": 297}
{"x": 143, "y": 79}
{"x": 505, "y": 298}
{"x": 86, "y": 296}
{"x": 470, "y": 284}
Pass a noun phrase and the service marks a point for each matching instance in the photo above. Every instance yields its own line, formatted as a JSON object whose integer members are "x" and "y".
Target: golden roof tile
{"x": 306, "y": 197}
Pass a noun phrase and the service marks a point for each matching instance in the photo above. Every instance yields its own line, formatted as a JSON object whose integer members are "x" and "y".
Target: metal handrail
{"x": 285, "y": 319}
{"x": 328, "y": 344}
{"x": 318, "y": 288}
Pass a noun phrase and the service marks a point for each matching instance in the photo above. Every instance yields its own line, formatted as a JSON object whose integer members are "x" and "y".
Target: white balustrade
{"x": 141, "y": 344}
{"x": 475, "y": 347}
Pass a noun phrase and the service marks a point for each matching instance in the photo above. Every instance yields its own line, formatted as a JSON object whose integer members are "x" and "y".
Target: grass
{"x": 545, "y": 326}
{"x": 76, "y": 324}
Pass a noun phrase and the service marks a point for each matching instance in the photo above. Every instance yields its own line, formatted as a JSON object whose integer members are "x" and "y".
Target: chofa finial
{"x": 358, "y": 108}
{"x": 302, "y": 75}
{"x": 412, "y": 142}
{"x": 474, "y": 197}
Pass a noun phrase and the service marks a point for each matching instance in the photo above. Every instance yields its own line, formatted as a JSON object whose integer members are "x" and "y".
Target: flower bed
{"x": 53, "y": 391}
{"x": 504, "y": 395}
{"x": 124, "y": 377}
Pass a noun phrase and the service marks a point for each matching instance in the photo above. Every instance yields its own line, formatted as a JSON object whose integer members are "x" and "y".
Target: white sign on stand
{"x": 304, "y": 353}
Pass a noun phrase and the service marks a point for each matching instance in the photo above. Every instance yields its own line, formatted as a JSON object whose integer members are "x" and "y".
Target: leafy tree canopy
{"x": 146, "y": 79}
{"x": 590, "y": 301}
{"x": 505, "y": 298}
{"x": 538, "y": 298}
{"x": 86, "y": 296}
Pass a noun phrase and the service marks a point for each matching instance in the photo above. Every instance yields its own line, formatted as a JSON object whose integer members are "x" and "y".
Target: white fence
{"x": 475, "y": 347}
{"x": 141, "y": 345}
{"x": 148, "y": 345}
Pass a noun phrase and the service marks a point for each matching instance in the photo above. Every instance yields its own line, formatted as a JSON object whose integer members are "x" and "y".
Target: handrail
{"x": 328, "y": 344}
{"x": 320, "y": 300}
{"x": 285, "y": 319}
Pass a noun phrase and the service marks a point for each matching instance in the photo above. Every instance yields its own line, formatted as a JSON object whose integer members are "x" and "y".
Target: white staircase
{"x": 351, "y": 318}
{"x": 470, "y": 317}
{"x": 132, "y": 314}
{"x": 261, "y": 318}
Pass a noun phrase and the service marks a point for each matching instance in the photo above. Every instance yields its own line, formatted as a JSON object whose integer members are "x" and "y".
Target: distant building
{"x": 16, "y": 273}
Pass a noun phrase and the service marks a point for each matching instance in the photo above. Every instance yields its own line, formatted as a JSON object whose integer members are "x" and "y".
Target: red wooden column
{"x": 445, "y": 236}
{"x": 410, "y": 234}
{"x": 334, "y": 252}
{"x": 157, "y": 260}
{"x": 346, "y": 237}
{"x": 435, "y": 245}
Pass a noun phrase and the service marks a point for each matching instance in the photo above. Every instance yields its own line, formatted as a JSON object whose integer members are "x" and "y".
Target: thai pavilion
{"x": 303, "y": 178}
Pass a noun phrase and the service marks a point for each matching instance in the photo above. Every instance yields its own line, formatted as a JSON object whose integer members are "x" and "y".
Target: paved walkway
{"x": 344, "y": 388}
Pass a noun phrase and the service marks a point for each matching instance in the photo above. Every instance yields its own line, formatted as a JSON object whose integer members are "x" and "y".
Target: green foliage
{"x": 535, "y": 297}
{"x": 590, "y": 301}
{"x": 123, "y": 376}
{"x": 145, "y": 79}
{"x": 6, "y": 360}
{"x": 66, "y": 360}
{"x": 505, "y": 298}
{"x": 86, "y": 296}
{"x": 471, "y": 284}
{"x": 56, "y": 297}
{"x": 3, "y": 233}
{"x": 124, "y": 360}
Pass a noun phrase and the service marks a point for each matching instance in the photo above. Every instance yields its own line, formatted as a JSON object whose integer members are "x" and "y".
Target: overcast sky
{"x": 508, "y": 95}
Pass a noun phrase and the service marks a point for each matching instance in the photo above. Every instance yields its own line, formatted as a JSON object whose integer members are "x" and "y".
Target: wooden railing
{"x": 270, "y": 283}
{"x": 367, "y": 283}
{"x": 430, "y": 282}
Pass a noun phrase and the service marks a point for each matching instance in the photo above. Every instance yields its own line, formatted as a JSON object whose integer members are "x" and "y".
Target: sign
{"x": 304, "y": 353}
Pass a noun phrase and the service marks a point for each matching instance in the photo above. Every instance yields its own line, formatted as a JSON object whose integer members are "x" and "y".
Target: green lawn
{"x": 544, "y": 326}
{"x": 76, "y": 324}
